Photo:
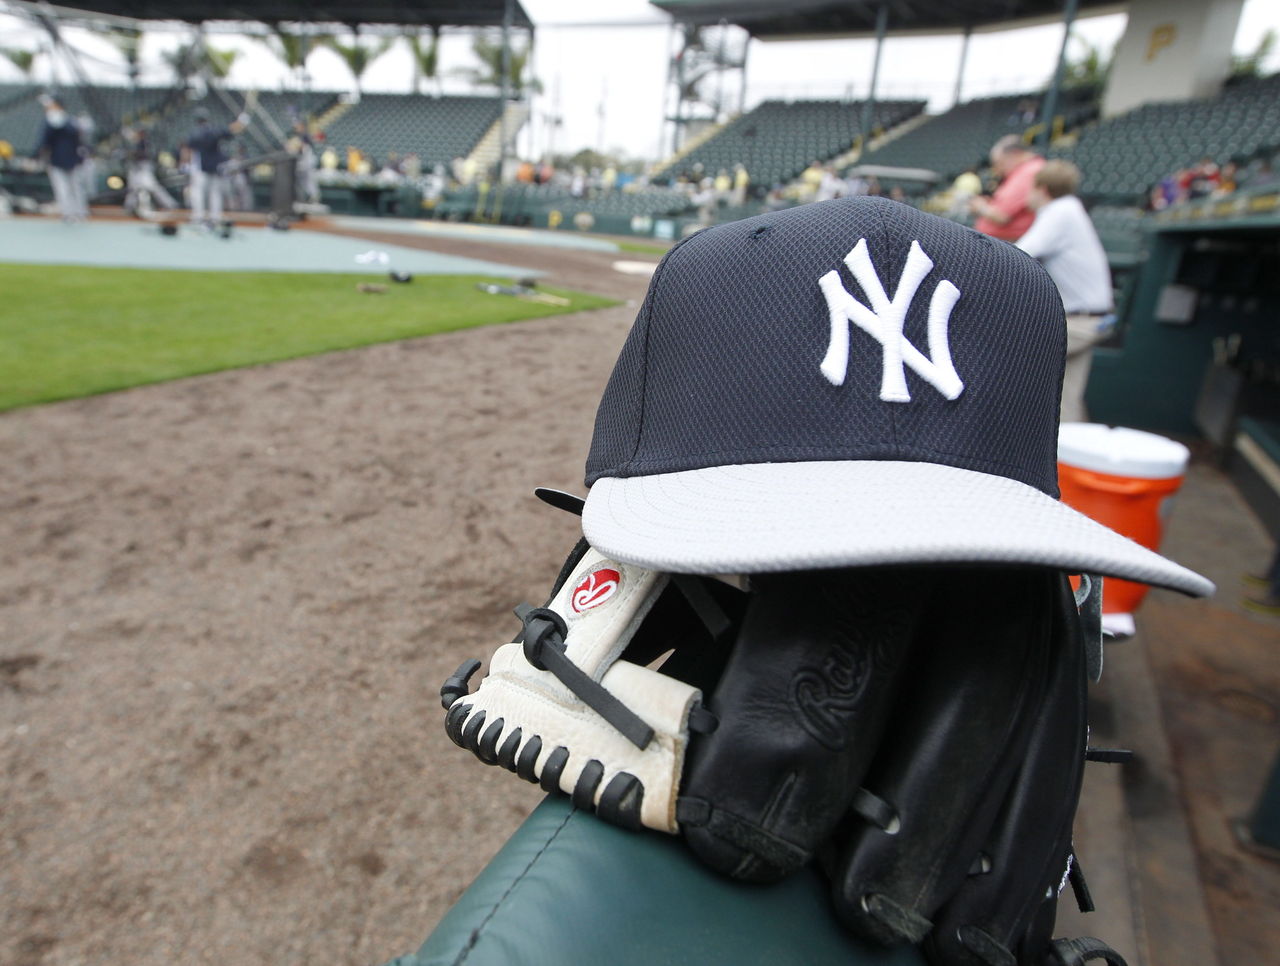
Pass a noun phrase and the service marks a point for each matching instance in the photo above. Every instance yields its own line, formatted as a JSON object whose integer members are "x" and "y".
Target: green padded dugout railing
{"x": 569, "y": 889}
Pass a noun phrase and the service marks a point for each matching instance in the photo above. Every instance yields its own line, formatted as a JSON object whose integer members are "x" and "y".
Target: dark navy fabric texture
{"x": 722, "y": 364}
{"x": 206, "y": 141}
{"x": 63, "y": 144}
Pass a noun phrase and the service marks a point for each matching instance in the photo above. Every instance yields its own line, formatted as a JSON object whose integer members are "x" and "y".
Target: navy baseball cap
{"x": 846, "y": 383}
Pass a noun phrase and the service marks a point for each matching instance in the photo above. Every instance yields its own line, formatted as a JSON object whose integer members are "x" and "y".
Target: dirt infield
{"x": 227, "y": 605}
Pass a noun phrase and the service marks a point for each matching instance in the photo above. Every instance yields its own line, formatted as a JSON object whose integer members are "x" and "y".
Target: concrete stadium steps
{"x": 327, "y": 117}
{"x": 691, "y": 145}
{"x": 854, "y": 154}
{"x": 486, "y": 151}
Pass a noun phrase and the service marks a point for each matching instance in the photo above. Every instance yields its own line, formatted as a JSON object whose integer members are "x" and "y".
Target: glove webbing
{"x": 543, "y": 635}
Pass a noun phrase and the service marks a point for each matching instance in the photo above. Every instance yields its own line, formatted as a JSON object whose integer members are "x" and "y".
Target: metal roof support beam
{"x": 508, "y": 14}
{"x": 882, "y": 26}
{"x": 1051, "y": 99}
{"x": 964, "y": 60}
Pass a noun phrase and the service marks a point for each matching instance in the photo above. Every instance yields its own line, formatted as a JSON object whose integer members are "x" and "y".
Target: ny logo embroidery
{"x": 883, "y": 321}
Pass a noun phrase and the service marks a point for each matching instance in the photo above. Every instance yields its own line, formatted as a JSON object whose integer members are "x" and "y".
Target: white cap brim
{"x": 804, "y": 516}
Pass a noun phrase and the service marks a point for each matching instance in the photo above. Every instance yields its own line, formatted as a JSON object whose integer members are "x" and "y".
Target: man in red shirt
{"x": 1006, "y": 213}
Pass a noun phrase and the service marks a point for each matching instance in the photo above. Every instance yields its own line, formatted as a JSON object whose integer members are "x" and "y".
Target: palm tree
{"x": 218, "y": 62}
{"x": 293, "y": 49}
{"x": 128, "y": 40}
{"x": 489, "y": 74}
{"x": 358, "y": 56}
{"x": 1090, "y": 69}
{"x": 197, "y": 57}
{"x": 1250, "y": 65}
{"x": 24, "y": 60}
{"x": 186, "y": 61}
{"x": 426, "y": 58}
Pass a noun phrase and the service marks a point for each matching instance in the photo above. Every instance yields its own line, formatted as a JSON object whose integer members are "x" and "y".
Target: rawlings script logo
{"x": 825, "y": 697}
{"x": 595, "y": 589}
{"x": 883, "y": 321}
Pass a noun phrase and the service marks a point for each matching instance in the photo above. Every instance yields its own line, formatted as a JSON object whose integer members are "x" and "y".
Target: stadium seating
{"x": 957, "y": 140}
{"x": 169, "y": 113}
{"x": 172, "y": 128}
{"x": 437, "y": 129}
{"x": 1123, "y": 157}
{"x": 21, "y": 112}
{"x": 779, "y": 139}
{"x": 531, "y": 204}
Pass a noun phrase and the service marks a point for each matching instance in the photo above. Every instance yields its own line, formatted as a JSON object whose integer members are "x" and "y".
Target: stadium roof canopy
{"x": 423, "y": 13}
{"x": 813, "y": 19}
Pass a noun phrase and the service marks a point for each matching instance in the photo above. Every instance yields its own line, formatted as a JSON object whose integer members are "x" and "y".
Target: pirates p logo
{"x": 883, "y": 321}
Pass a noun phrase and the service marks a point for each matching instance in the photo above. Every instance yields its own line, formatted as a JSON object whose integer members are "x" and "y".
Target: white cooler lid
{"x": 1120, "y": 451}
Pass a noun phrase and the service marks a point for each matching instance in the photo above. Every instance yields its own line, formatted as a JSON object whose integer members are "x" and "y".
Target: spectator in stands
{"x": 1262, "y": 175}
{"x": 389, "y": 173}
{"x": 433, "y": 188}
{"x": 741, "y": 182}
{"x": 142, "y": 189}
{"x": 1063, "y": 239}
{"x": 704, "y": 198}
{"x": 1204, "y": 178}
{"x": 811, "y": 178}
{"x": 966, "y": 187}
{"x": 1229, "y": 180}
{"x": 1006, "y": 214}
{"x": 355, "y": 158}
{"x": 830, "y": 186}
{"x": 855, "y": 185}
{"x": 1025, "y": 113}
{"x": 205, "y": 160}
{"x": 59, "y": 148}
{"x": 329, "y": 159}
{"x": 722, "y": 185}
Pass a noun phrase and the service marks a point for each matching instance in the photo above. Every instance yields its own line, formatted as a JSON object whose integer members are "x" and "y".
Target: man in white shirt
{"x": 1063, "y": 239}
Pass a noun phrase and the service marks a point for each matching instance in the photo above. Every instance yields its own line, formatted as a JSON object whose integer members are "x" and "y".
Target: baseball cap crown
{"x": 847, "y": 383}
{"x": 725, "y": 362}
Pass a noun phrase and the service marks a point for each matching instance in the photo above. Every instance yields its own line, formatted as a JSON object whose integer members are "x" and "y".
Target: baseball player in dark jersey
{"x": 203, "y": 154}
{"x": 59, "y": 147}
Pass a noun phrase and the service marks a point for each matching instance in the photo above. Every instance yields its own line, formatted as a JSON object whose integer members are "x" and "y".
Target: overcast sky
{"x": 608, "y": 82}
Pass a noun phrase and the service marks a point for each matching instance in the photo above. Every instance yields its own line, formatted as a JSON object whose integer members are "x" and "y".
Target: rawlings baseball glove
{"x": 924, "y": 746}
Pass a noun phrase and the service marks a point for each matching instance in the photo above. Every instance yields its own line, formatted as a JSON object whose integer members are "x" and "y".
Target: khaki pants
{"x": 1082, "y": 336}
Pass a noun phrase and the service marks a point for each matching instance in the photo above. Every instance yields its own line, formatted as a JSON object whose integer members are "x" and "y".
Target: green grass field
{"x": 643, "y": 248}
{"x": 67, "y": 332}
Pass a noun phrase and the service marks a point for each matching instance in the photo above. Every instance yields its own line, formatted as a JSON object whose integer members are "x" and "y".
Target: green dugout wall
{"x": 1209, "y": 288}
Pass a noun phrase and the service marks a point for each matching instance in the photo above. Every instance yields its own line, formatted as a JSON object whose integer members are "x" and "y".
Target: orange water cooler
{"x": 1124, "y": 479}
